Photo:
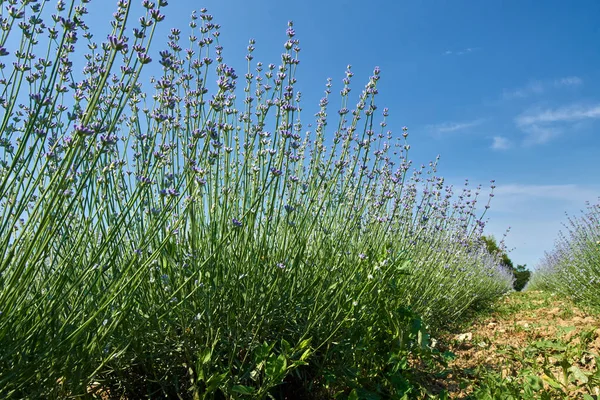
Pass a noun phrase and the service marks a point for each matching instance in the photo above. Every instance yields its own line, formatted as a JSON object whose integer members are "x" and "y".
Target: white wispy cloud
{"x": 536, "y": 134}
{"x": 460, "y": 52}
{"x": 541, "y": 126}
{"x": 534, "y": 87}
{"x": 501, "y": 143}
{"x": 447, "y": 127}
{"x": 571, "y": 193}
{"x": 568, "y": 81}
{"x": 537, "y": 87}
{"x": 570, "y": 113}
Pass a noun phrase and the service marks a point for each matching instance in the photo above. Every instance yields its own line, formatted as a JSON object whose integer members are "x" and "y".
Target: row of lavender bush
{"x": 572, "y": 268}
{"x": 200, "y": 241}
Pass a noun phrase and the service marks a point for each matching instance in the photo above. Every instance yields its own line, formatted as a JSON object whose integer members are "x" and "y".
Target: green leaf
{"x": 305, "y": 355}
{"x": 552, "y": 382}
{"x": 578, "y": 374}
{"x": 448, "y": 355}
{"x": 204, "y": 356}
{"x": 535, "y": 382}
{"x": 241, "y": 389}
{"x": 405, "y": 266}
{"x": 353, "y": 395}
{"x": 276, "y": 367}
{"x": 303, "y": 344}
{"x": 255, "y": 373}
{"x": 368, "y": 395}
{"x": 262, "y": 352}
{"x": 215, "y": 381}
{"x": 285, "y": 346}
{"x": 545, "y": 396}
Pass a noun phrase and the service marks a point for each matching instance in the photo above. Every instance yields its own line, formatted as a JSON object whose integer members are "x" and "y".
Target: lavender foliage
{"x": 190, "y": 234}
{"x": 572, "y": 268}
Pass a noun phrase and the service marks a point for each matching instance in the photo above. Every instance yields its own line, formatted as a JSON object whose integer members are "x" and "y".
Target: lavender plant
{"x": 186, "y": 243}
{"x": 572, "y": 268}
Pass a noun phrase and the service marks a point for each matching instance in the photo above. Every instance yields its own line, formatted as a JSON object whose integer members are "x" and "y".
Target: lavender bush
{"x": 191, "y": 243}
{"x": 572, "y": 268}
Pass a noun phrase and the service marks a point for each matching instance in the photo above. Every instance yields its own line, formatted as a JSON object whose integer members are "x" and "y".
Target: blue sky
{"x": 504, "y": 90}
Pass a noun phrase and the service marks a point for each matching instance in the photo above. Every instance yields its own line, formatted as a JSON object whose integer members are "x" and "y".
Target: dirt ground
{"x": 531, "y": 338}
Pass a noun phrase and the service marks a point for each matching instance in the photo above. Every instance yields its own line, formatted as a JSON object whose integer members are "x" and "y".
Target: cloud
{"x": 568, "y": 81}
{"x": 541, "y": 126}
{"x": 447, "y": 127}
{"x": 567, "y": 114}
{"x": 501, "y": 143}
{"x": 571, "y": 193}
{"x": 536, "y": 134}
{"x": 460, "y": 52}
{"x": 537, "y": 87}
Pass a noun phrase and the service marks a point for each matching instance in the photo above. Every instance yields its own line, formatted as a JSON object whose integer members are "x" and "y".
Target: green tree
{"x": 521, "y": 273}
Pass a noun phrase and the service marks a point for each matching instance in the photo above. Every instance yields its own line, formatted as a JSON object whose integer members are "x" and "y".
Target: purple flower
{"x": 144, "y": 58}
{"x": 14, "y": 12}
{"x": 290, "y": 31}
{"x": 144, "y": 180}
{"x": 108, "y": 140}
{"x": 236, "y": 223}
{"x": 156, "y": 15}
{"x": 225, "y": 83}
{"x": 83, "y": 130}
{"x": 117, "y": 43}
{"x": 276, "y": 172}
{"x": 145, "y": 22}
